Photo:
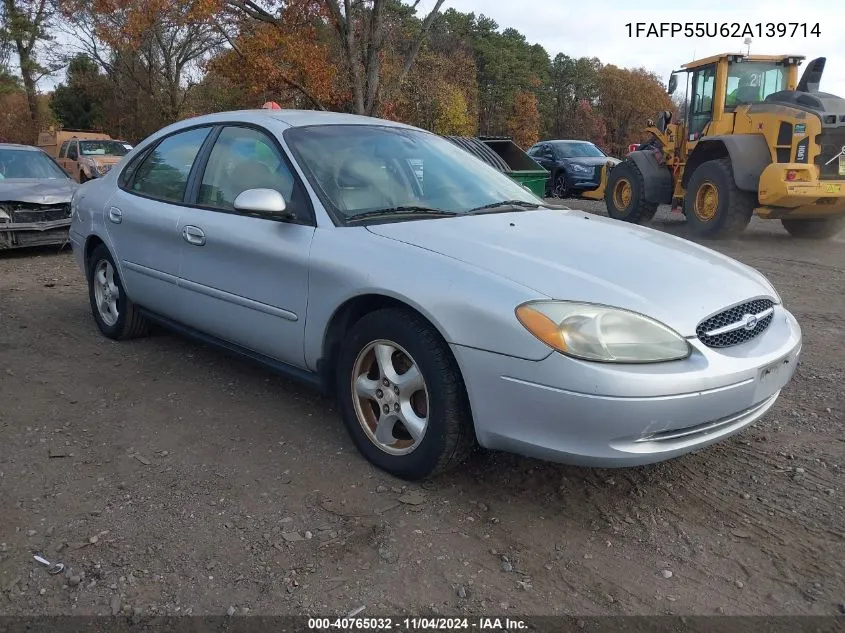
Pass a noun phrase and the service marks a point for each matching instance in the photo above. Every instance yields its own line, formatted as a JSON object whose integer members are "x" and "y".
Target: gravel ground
{"x": 171, "y": 479}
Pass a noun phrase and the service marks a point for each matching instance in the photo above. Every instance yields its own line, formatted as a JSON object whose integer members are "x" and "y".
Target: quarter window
{"x": 164, "y": 173}
{"x": 243, "y": 158}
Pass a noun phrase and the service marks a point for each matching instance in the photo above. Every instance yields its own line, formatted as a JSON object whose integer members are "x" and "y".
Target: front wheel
{"x": 402, "y": 397}
{"x": 624, "y": 195}
{"x": 83, "y": 178}
{"x": 814, "y": 229}
{"x": 714, "y": 206}
{"x": 560, "y": 188}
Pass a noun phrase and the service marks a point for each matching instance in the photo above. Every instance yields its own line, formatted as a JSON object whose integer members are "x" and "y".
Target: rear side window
{"x": 63, "y": 150}
{"x": 163, "y": 174}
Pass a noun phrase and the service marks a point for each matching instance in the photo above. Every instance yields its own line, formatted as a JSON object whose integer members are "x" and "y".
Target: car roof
{"x": 569, "y": 141}
{"x": 291, "y": 118}
{"x": 28, "y": 148}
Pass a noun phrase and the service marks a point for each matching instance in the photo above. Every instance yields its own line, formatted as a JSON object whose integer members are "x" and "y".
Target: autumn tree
{"x": 627, "y": 99}
{"x": 290, "y": 62}
{"x": 23, "y": 26}
{"x": 152, "y": 49}
{"x": 524, "y": 122}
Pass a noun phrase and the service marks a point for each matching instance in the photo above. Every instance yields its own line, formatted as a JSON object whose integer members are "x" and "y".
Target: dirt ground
{"x": 171, "y": 479}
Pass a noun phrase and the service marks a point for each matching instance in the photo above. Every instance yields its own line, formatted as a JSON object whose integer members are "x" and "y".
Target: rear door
{"x": 143, "y": 219}
{"x": 244, "y": 276}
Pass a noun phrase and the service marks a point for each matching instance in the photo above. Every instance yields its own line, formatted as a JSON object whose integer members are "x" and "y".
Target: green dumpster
{"x": 506, "y": 156}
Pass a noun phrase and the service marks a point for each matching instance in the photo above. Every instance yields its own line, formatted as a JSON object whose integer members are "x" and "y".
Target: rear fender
{"x": 749, "y": 154}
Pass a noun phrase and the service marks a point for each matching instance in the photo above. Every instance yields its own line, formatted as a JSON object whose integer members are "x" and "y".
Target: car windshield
{"x": 21, "y": 163}
{"x": 104, "y": 148}
{"x": 362, "y": 169}
{"x": 578, "y": 150}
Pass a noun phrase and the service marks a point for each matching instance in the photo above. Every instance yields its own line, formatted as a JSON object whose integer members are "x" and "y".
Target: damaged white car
{"x": 35, "y": 194}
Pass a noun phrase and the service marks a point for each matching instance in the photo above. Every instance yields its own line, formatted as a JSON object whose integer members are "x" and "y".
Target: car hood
{"x": 103, "y": 159}
{"x": 591, "y": 160}
{"x": 579, "y": 257}
{"x": 37, "y": 191}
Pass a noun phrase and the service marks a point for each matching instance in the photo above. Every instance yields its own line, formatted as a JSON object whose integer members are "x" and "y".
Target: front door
{"x": 701, "y": 104}
{"x": 244, "y": 277}
{"x": 143, "y": 220}
{"x": 69, "y": 159}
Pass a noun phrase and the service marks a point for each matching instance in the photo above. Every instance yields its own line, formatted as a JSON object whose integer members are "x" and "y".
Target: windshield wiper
{"x": 503, "y": 206}
{"x": 399, "y": 212}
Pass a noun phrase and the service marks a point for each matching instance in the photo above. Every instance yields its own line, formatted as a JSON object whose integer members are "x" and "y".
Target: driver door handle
{"x": 193, "y": 235}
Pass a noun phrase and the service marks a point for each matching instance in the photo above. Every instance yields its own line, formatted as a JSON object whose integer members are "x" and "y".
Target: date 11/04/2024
{"x": 723, "y": 29}
{"x": 407, "y": 625}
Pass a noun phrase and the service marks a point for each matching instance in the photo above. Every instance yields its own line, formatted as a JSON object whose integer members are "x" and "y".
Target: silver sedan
{"x": 443, "y": 304}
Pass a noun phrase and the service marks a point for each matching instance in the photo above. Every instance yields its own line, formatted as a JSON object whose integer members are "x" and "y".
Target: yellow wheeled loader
{"x": 755, "y": 140}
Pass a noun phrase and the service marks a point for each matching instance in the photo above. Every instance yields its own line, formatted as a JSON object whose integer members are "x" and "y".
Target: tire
{"x": 624, "y": 195}
{"x": 129, "y": 322}
{"x": 83, "y": 178}
{"x": 448, "y": 436}
{"x": 814, "y": 229}
{"x": 559, "y": 188}
{"x": 714, "y": 207}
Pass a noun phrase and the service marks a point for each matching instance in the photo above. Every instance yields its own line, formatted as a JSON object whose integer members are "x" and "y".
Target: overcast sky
{"x": 596, "y": 28}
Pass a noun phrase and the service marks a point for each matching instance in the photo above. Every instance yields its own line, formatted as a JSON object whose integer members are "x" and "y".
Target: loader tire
{"x": 714, "y": 206}
{"x": 624, "y": 195}
{"x": 814, "y": 229}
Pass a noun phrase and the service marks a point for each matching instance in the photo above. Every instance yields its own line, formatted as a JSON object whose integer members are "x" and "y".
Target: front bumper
{"x": 565, "y": 410}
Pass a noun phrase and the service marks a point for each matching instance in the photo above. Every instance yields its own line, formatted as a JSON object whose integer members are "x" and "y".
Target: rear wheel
{"x": 714, "y": 206}
{"x": 625, "y": 195}
{"x": 116, "y": 315}
{"x": 815, "y": 229}
{"x": 402, "y": 397}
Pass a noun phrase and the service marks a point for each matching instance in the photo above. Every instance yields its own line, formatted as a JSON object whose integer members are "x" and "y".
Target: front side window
{"x": 164, "y": 173}
{"x": 72, "y": 152}
{"x": 63, "y": 150}
{"x": 25, "y": 164}
{"x": 243, "y": 158}
{"x": 357, "y": 169}
{"x": 752, "y": 82}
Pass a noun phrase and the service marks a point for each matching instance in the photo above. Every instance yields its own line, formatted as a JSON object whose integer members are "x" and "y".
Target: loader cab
{"x": 720, "y": 84}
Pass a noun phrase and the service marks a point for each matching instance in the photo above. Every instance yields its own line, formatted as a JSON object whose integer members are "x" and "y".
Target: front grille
{"x": 37, "y": 212}
{"x": 722, "y": 332}
{"x": 832, "y": 140}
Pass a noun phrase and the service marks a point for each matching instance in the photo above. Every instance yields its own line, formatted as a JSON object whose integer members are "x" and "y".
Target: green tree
{"x": 79, "y": 103}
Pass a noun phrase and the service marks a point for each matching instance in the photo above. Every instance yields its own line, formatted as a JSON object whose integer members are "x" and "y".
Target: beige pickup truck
{"x": 84, "y": 155}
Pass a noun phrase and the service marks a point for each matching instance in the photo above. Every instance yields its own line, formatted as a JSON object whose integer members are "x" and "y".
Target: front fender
{"x": 749, "y": 154}
{"x": 436, "y": 286}
{"x": 657, "y": 179}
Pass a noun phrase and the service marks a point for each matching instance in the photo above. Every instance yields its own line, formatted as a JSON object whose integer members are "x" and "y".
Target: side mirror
{"x": 267, "y": 201}
{"x": 673, "y": 83}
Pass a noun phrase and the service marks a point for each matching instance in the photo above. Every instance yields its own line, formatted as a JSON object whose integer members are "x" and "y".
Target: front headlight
{"x": 601, "y": 333}
{"x": 581, "y": 169}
